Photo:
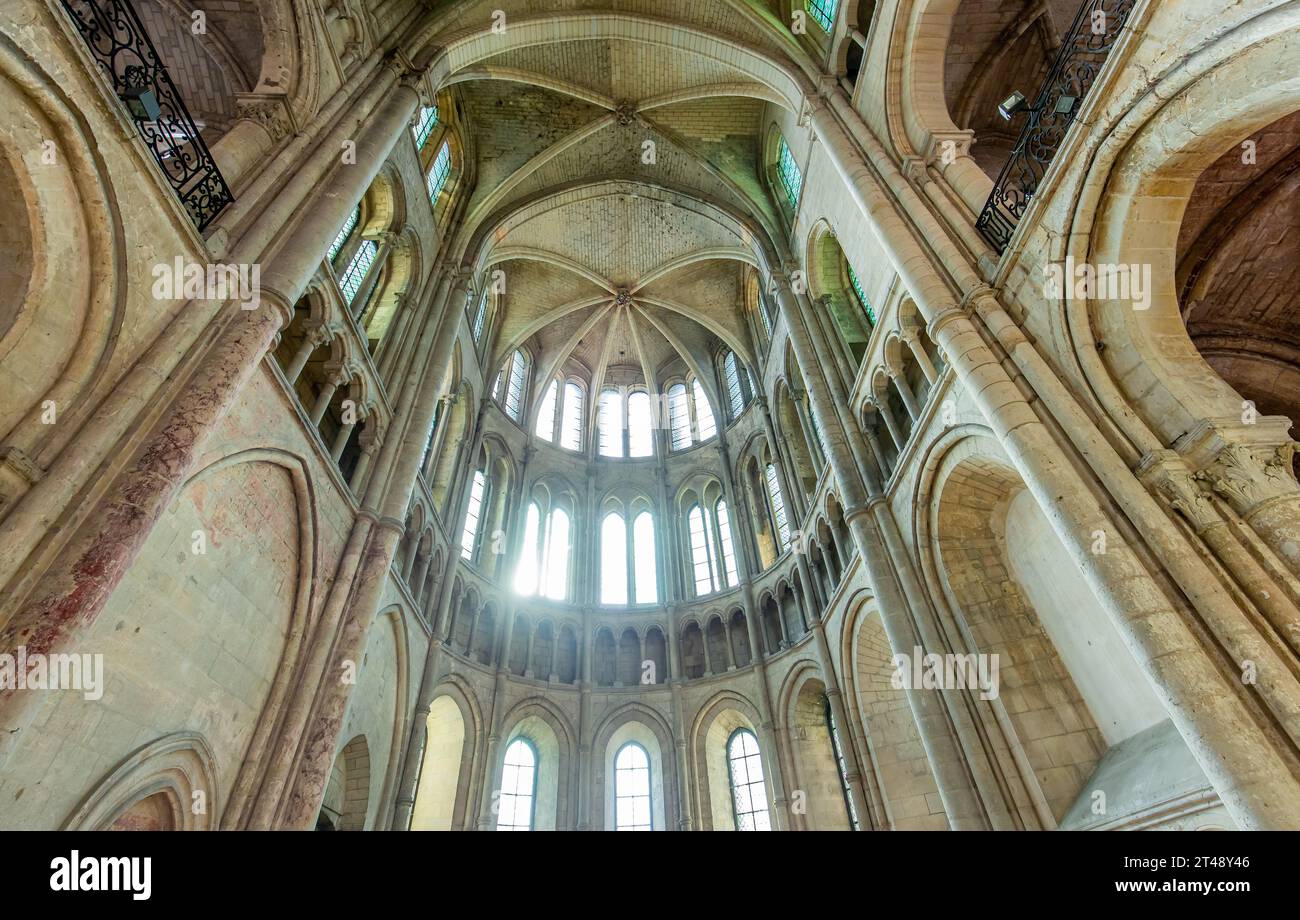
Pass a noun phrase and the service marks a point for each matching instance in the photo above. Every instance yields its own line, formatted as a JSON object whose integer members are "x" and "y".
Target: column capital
{"x": 1164, "y": 472}
{"x": 269, "y": 110}
{"x": 1249, "y": 464}
{"x": 945, "y": 316}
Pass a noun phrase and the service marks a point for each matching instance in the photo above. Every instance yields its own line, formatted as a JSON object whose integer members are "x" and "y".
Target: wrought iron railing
{"x": 1093, "y": 33}
{"x": 121, "y": 45}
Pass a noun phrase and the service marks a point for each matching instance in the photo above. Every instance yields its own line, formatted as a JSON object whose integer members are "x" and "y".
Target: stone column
{"x": 390, "y": 497}
{"x": 913, "y": 341}
{"x": 943, "y": 750}
{"x": 905, "y": 391}
{"x": 263, "y": 121}
{"x": 314, "y": 339}
{"x": 584, "y": 805}
{"x": 1166, "y": 472}
{"x": 674, "y": 680}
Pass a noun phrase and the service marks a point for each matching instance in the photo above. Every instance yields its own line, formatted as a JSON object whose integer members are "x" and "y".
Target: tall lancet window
{"x": 788, "y": 172}
{"x": 724, "y": 540}
{"x": 357, "y": 268}
{"x": 344, "y": 232}
{"x": 424, "y": 125}
{"x": 439, "y": 172}
{"x": 610, "y": 424}
{"x": 703, "y": 563}
{"x": 703, "y": 412}
{"x": 518, "y": 787}
{"x": 613, "y": 559}
{"x": 554, "y": 583}
{"x": 515, "y": 377}
{"x": 526, "y": 570}
{"x": 632, "y": 789}
{"x": 469, "y": 535}
{"x": 644, "y": 569}
{"x": 571, "y": 417}
{"x": 640, "y": 426}
{"x": 748, "y": 790}
{"x": 679, "y": 417}
{"x": 778, "y": 505}
{"x": 545, "y": 428}
{"x": 731, "y": 373}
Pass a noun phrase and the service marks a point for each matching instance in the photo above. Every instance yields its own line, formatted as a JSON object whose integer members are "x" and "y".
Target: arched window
{"x": 679, "y": 417}
{"x": 704, "y": 422}
{"x": 778, "y": 506}
{"x": 526, "y": 571}
{"x": 555, "y": 557}
{"x": 760, "y": 307}
{"x": 480, "y": 314}
{"x": 469, "y": 535}
{"x": 735, "y": 394}
{"x": 643, "y": 559}
{"x": 433, "y": 432}
{"x": 344, "y": 232}
{"x": 571, "y": 420}
{"x": 640, "y": 428}
{"x": 518, "y": 787}
{"x": 613, "y": 559}
{"x": 724, "y": 540}
{"x": 632, "y": 789}
{"x": 424, "y": 125}
{"x": 745, "y": 775}
{"x": 439, "y": 172}
{"x": 788, "y": 172}
{"x": 860, "y": 294}
{"x": 545, "y": 428}
{"x": 355, "y": 273}
{"x": 610, "y": 424}
{"x": 703, "y": 563}
{"x": 515, "y": 375}
{"x": 841, "y": 764}
{"x": 824, "y": 12}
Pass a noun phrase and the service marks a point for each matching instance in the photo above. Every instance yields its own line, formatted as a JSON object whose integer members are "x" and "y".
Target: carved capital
{"x": 1249, "y": 476}
{"x": 270, "y": 110}
{"x": 1166, "y": 473}
{"x": 946, "y": 146}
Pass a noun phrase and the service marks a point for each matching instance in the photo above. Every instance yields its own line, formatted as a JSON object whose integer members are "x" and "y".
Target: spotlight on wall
{"x": 1009, "y": 106}
{"x": 143, "y": 103}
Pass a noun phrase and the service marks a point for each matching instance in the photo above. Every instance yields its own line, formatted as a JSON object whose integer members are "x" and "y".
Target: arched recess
{"x": 713, "y": 727}
{"x": 63, "y": 300}
{"x": 1143, "y": 367}
{"x": 444, "y": 768}
{"x": 155, "y": 788}
{"x": 1132, "y": 210}
{"x": 1072, "y": 699}
{"x": 900, "y": 783}
{"x": 541, "y": 723}
{"x": 835, "y": 288}
{"x": 347, "y": 794}
{"x": 813, "y": 762}
{"x": 243, "y": 521}
{"x": 637, "y": 723}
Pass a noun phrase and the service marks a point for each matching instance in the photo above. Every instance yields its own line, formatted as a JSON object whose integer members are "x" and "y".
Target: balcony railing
{"x": 119, "y": 42}
{"x": 1093, "y": 33}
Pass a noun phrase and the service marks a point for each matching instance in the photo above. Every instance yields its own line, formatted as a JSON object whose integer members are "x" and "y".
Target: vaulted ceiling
{"x": 620, "y": 183}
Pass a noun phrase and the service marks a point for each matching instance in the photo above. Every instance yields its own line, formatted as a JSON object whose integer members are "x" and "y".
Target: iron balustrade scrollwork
{"x": 1092, "y": 35}
{"x": 119, "y": 42}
